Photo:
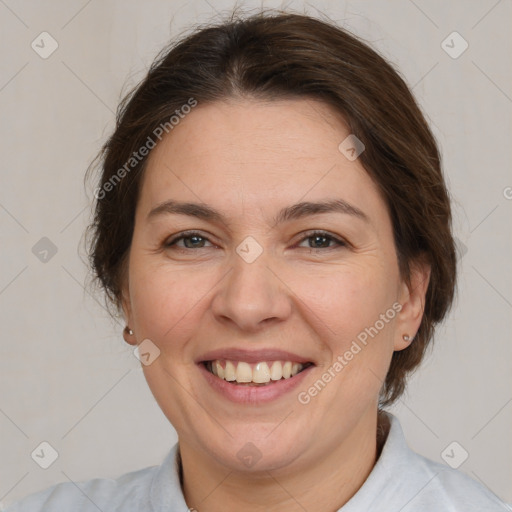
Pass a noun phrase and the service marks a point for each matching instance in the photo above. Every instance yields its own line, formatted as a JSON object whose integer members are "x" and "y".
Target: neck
{"x": 335, "y": 475}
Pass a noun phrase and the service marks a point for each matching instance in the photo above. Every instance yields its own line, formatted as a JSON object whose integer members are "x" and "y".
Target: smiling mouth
{"x": 263, "y": 373}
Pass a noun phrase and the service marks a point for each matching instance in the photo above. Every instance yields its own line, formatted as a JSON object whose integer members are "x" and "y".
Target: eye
{"x": 195, "y": 238}
{"x": 321, "y": 240}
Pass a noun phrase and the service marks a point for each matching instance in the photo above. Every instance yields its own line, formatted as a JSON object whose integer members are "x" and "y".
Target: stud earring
{"x": 406, "y": 337}
{"x": 128, "y": 331}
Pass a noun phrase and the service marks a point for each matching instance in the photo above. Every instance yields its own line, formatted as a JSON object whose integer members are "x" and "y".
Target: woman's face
{"x": 256, "y": 291}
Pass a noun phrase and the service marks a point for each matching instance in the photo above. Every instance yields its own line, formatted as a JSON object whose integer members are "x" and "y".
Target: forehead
{"x": 248, "y": 153}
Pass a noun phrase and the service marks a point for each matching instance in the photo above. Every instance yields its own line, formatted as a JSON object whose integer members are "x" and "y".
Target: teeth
{"x": 296, "y": 368}
{"x": 276, "y": 371}
{"x": 243, "y": 372}
{"x": 259, "y": 373}
{"x": 229, "y": 371}
{"x": 218, "y": 370}
{"x": 287, "y": 370}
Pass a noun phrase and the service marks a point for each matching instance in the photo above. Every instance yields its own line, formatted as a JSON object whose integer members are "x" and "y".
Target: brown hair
{"x": 282, "y": 55}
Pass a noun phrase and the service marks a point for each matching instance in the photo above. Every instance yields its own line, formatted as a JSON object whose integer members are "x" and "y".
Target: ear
{"x": 127, "y": 310}
{"x": 412, "y": 298}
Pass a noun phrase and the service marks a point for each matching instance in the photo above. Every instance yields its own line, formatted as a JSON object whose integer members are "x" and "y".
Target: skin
{"x": 249, "y": 159}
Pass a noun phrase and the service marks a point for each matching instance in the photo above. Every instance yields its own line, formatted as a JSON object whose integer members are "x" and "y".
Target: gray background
{"x": 66, "y": 375}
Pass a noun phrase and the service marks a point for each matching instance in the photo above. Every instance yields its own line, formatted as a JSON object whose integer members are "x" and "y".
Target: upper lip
{"x": 252, "y": 356}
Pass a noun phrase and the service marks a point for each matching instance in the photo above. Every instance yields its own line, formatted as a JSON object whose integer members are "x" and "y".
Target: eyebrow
{"x": 293, "y": 212}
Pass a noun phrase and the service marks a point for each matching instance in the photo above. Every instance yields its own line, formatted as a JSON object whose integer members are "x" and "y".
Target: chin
{"x": 262, "y": 449}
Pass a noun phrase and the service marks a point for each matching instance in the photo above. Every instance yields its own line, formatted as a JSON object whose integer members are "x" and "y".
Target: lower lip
{"x": 254, "y": 394}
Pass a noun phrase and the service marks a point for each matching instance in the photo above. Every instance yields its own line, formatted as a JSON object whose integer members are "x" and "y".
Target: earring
{"x": 128, "y": 331}
{"x": 406, "y": 337}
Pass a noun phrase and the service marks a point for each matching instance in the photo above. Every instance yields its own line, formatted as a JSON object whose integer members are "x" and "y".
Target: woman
{"x": 273, "y": 224}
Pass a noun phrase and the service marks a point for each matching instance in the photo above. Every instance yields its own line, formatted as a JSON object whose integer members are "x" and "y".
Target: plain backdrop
{"x": 66, "y": 375}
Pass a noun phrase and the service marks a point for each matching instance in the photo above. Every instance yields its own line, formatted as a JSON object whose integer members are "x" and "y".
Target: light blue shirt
{"x": 401, "y": 480}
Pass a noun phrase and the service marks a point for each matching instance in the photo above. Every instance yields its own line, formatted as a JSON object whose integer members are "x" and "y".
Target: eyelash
{"x": 324, "y": 234}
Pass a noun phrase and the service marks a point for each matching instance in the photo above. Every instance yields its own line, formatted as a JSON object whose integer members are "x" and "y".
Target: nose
{"x": 252, "y": 296}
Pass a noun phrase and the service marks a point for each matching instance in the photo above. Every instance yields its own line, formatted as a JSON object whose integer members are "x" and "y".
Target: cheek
{"x": 359, "y": 340}
{"x": 164, "y": 300}
{"x": 346, "y": 300}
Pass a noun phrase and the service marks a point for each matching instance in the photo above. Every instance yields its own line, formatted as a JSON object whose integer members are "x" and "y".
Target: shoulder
{"x": 417, "y": 483}
{"x": 128, "y": 492}
{"x": 451, "y": 490}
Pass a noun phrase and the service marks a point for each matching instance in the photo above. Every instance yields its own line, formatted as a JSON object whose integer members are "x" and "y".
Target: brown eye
{"x": 322, "y": 239}
{"x": 191, "y": 240}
